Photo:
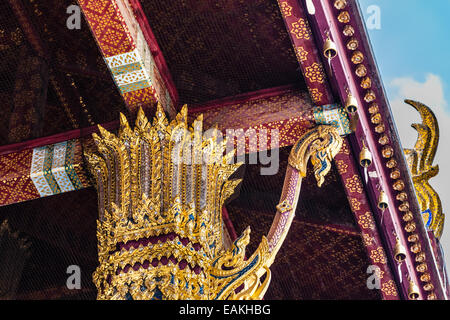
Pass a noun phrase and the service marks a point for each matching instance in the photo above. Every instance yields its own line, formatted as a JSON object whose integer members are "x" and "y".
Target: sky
{"x": 412, "y": 48}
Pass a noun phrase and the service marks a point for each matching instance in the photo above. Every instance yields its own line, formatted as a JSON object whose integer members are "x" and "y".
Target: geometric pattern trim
{"x": 118, "y": 63}
{"x": 128, "y": 78}
{"x": 129, "y": 71}
{"x": 52, "y": 169}
{"x": 108, "y": 26}
{"x": 60, "y": 170}
{"x": 39, "y": 172}
{"x": 335, "y": 116}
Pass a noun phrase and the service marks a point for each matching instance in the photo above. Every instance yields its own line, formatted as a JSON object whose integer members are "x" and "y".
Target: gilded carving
{"x": 161, "y": 187}
{"x": 325, "y": 143}
{"x": 420, "y": 161}
{"x": 161, "y": 182}
{"x": 344, "y": 17}
{"x": 320, "y": 145}
{"x": 348, "y": 31}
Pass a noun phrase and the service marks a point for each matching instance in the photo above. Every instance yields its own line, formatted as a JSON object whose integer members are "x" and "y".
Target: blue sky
{"x": 413, "y": 40}
{"x": 412, "y": 50}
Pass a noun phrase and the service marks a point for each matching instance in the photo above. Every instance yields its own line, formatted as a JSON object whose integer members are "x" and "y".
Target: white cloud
{"x": 431, "y": 93}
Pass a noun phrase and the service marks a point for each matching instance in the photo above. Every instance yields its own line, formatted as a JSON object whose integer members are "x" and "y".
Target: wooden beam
{"x": 127, "y": 54}
{"x": 305, "y": 48}
{"x": 27, "y": 169}
{"x": 285, "y": 112}
{"x": 42, "y": 171}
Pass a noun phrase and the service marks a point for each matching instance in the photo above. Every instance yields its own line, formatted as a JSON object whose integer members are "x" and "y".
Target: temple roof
{"x": 242, "y": 64}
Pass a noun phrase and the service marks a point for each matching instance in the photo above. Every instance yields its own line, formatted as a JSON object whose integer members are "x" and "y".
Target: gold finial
{"x": 365, "y": 156}
{"x": 420, "y": 162}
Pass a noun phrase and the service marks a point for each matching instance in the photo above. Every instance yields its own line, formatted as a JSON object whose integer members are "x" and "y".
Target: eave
{"x": 389, "y": 171}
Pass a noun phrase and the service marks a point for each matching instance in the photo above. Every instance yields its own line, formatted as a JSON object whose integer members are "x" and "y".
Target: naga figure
{"x": 420, "y": 162}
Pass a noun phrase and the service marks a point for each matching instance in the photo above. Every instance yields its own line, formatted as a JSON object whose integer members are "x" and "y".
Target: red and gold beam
{"x": 54, "y": 164}
{"x": 284, "y": 113}
{"x": 127, "y": 54}
{"x": 45, "y": 166}
{"x": 42, "y": 171}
